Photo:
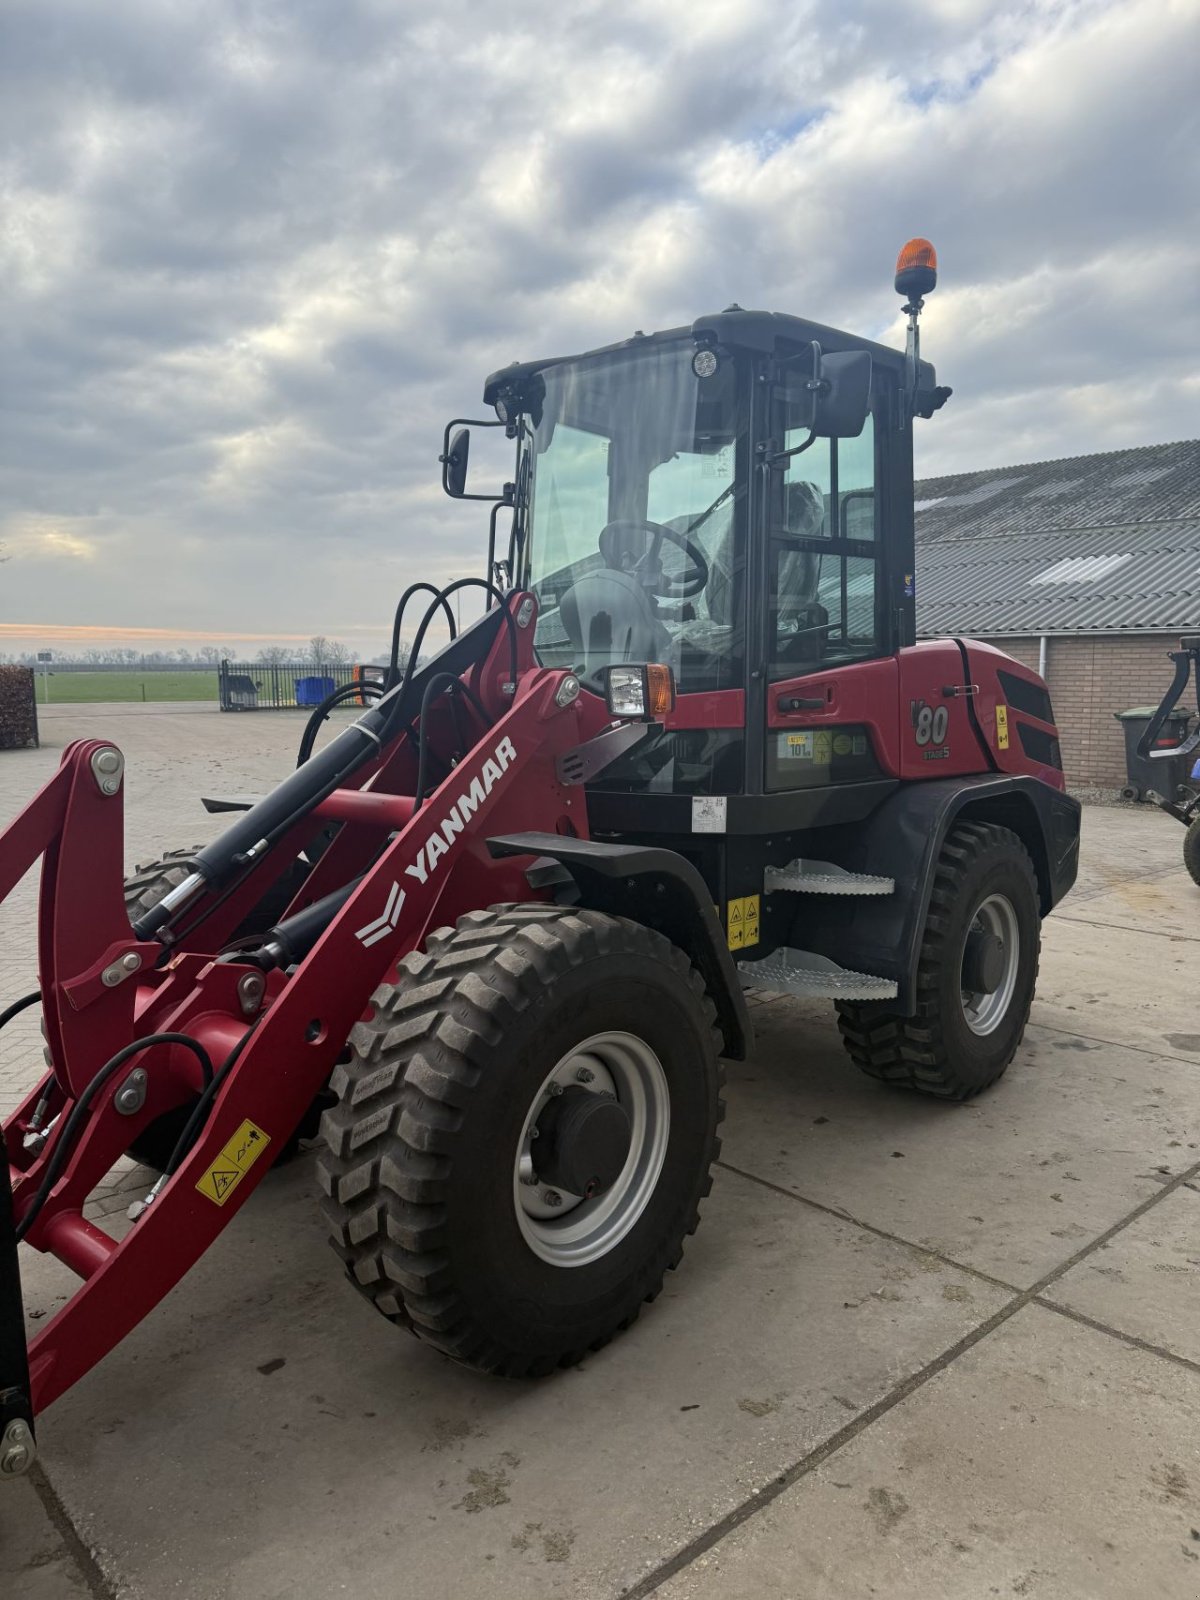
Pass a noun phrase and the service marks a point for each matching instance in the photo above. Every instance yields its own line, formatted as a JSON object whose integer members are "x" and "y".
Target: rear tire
{"x": 1191, "y": 850}
{"x": 953, "y": 1046}
{"x": 421, "y": 1175}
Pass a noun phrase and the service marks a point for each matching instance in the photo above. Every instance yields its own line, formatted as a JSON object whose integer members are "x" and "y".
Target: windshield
{"x": 635, "y": 545}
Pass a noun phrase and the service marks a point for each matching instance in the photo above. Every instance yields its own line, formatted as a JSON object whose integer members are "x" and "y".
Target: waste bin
{"x": 1167, "y": 776}
{"x": 311, "y": 691}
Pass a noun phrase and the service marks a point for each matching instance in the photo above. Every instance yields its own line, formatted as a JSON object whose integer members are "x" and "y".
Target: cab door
{"x": 832, "y": 691}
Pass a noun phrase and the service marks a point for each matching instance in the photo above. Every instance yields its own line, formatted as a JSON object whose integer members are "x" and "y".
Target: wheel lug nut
{"x": 585, "y": 1075}
{"x": 552, "y": 1197}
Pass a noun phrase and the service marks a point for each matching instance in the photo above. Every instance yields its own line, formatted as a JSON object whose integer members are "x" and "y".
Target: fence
{"x": 285, "y": 685}
{"x": 18, "y": 708}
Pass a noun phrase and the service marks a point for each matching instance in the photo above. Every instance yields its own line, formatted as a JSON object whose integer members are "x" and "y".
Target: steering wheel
{"x": 691, "y": 581}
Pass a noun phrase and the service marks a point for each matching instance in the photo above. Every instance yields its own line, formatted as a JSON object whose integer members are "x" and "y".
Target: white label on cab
{"x": 708, "y": 813}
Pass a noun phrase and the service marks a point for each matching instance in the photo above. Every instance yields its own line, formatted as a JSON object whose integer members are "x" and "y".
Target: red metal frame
{"x": 435, "y": 867}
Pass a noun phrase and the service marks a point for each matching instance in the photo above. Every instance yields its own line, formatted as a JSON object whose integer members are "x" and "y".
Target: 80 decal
{"x": 929, "y": 726}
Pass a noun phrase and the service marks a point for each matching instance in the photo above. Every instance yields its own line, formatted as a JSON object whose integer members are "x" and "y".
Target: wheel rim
{"x": 568, "y": 1230}
{"x": 984, "y": 1012}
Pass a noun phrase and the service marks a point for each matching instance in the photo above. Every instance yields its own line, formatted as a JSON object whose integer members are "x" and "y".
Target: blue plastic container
{"x": 311, "y": 691}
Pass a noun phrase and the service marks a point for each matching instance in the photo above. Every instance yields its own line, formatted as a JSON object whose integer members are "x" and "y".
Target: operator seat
{"x": 610, "y": 617}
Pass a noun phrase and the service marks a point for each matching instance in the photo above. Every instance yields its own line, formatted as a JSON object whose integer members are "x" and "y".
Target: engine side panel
{"x": 1014, "y": 712}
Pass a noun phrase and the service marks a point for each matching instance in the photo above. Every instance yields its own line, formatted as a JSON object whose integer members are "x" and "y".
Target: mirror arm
{"x": 508, "y": 498}
{"x": 444, "y": 458}
{"x": 772, "y": 458}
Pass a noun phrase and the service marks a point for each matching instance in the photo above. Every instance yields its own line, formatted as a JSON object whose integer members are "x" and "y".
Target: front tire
{"x": 431, "y": 1194}
{"x": 966, "y": 1028}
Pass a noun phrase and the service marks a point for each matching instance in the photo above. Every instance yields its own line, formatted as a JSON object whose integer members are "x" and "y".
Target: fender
{"x": 902, "y": 839}
{"x": 656, "y": 887}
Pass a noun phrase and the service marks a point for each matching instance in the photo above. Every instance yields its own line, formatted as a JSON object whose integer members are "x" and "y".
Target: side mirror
{"x": 843, "y": 395}
{"x": 454, "y": 464}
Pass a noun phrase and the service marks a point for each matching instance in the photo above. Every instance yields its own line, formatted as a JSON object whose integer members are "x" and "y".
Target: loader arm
{"x": 272, "y": 1036}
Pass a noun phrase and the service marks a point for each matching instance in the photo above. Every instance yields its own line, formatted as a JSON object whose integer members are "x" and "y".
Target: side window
{"x": 823, "y": 566}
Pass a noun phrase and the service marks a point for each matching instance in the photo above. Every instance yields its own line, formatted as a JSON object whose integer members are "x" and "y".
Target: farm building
{"x": 1088, "y": 568}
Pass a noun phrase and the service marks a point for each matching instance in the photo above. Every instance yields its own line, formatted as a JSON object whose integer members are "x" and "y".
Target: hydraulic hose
{"x": 78, "y": 1113}
{"x": 393, "y": 672}
{"x": 23, "y": 1004}
{"x": 348, "y": 691}
{"x": 437, "y": 685}
{"x": 248, "y": 839}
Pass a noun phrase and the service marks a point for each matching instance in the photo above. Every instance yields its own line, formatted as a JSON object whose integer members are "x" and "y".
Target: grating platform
{"x": 800, "y": 972}
{"x": 823, "y": 877}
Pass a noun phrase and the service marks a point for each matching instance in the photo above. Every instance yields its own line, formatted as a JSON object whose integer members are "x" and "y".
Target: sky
{"x": 254, "y": 253}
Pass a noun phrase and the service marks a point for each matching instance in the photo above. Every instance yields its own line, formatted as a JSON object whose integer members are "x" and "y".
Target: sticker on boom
{"x": 232, "y": 1165}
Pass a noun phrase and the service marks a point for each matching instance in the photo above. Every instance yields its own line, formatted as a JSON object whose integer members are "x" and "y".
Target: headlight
{"x": 640, "y": 691}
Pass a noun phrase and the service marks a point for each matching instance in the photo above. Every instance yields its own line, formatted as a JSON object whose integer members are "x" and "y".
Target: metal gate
{"x": 285, "y": 685}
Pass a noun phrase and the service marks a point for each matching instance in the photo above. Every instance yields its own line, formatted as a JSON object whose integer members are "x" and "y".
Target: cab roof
{"x": 759, "y": 332}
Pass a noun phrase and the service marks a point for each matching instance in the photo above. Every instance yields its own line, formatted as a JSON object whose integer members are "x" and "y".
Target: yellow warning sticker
{"x": 232, "y": 1165}
{"x": 741, "y": 921}
{"x": 823, "y": 747}
{"x": 1002, "y": 727}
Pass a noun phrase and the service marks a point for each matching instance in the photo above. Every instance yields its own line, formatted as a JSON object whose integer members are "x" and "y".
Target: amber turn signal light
{"x": 640, "y": 690}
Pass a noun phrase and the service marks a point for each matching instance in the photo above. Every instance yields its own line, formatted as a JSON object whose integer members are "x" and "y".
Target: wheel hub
{"x": 990, "y": 961}
{"x": 591, "y": 1149}
{"x": 983, "y": 962}
{"x": 583, "y": 1142}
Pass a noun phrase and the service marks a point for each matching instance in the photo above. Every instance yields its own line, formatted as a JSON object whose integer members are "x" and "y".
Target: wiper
{"x": 716, "y": 505}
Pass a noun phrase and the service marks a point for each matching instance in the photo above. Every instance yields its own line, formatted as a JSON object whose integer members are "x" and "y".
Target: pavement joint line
{"x": 1118, "y": 1333}
{"x": 761, "y": 1498}
{"x": 1117, "y": 1044}
{"x": 1125, "y": 927}
{"x": 870, "y": 1227}
{"x": 98, "y": 1586}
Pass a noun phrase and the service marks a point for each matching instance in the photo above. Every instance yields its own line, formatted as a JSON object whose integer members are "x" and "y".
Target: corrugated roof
{"x": 1105, "y": 543}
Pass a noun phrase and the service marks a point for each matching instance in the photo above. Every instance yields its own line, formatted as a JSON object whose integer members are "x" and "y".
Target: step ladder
{"x": 823, "y": 877}
{"x": 813, "y": 977}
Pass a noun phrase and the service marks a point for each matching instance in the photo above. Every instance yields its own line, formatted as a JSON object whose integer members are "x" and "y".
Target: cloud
{"x": 253, "y": 256}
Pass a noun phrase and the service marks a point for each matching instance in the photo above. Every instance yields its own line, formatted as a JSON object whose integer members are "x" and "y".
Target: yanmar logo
{"x": 441, "y": 840}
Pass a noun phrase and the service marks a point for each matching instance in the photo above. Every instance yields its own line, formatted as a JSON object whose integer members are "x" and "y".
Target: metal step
{"x": 800, "y": 972}
{"x": 823, "y": 877}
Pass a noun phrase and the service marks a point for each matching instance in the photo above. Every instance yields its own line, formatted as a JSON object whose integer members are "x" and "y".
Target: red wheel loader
{"x": 496, "y": 932}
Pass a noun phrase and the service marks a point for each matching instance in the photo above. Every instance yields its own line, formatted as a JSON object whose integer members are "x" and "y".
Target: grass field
{"x": 66, "y": 688}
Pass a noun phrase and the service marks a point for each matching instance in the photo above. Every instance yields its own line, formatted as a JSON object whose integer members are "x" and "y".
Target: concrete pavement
{"x": 914, "y": 1350}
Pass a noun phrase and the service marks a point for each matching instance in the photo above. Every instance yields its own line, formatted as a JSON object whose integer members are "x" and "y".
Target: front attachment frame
{"x": 418, "y": 866}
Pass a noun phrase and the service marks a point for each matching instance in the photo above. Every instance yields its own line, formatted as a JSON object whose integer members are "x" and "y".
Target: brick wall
{"x": 1089, "y": 679}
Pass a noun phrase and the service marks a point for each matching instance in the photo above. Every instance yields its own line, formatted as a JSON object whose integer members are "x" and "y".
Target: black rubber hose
{"x": 23, "y": 1004}
{"x": 393, "y": 672}
{"x": 432, "y": 689}
{"x": 62, "y": 1145}
{"x": 452, "y": 588}
{"x": 193, "y": 1125}
{"x": 303, "y": 790}
{"x": 348, "y": 691}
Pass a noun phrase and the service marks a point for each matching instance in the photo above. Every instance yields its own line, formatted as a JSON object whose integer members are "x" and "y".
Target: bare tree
{"x": 323, "y": 652}
{"x": 209, "y": 654}
{"x": 273, "y": 654}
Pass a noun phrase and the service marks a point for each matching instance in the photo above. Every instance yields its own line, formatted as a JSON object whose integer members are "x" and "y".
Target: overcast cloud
{"x": 255, "y": 251}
